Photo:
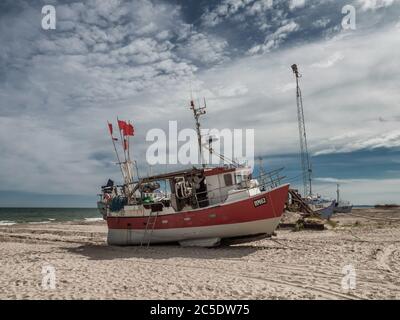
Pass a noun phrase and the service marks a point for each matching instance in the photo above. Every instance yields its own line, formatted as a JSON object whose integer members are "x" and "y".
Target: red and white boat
{"x": 205, "y": 206}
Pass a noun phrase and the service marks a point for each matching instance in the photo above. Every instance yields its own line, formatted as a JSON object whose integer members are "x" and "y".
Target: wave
{"x": 39, "y": 222}
{"x": 7, "y": 223}
{"x": 47, "y": 221}
{"x": 93, "y": 219}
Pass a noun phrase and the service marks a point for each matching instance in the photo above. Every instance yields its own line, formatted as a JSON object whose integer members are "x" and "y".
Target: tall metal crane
{"x": 305, "y": 158}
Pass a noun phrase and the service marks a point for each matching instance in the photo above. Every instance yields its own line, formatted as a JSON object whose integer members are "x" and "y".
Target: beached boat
{"x": 323, "y": 207}
{"x": 342, "y": 206}
{"x": 205, "y": 206}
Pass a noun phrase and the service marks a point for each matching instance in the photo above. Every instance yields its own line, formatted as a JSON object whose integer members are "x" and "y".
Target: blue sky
{"x": 135, "y": 59}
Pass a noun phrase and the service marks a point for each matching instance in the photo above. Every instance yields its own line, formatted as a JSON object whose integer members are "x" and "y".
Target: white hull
{"x": 198, "y": 236}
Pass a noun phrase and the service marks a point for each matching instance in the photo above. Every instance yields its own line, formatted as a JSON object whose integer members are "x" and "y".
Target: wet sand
{"x": 292, "y": 265}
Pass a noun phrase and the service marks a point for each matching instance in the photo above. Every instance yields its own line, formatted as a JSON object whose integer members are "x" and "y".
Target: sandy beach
{"x": 292, "y": 265}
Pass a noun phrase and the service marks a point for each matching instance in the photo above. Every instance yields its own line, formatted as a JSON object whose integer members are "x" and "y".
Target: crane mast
{"x": 305, "y": 158}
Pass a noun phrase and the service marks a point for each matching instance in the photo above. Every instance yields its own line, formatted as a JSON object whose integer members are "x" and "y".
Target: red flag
{"x": 129, "y": 130}
{"x": 110, "y": 127}
{"x": 122, "y": 124}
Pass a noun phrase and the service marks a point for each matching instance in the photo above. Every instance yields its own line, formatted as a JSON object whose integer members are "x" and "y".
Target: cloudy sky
{"x": 140, "y": 59}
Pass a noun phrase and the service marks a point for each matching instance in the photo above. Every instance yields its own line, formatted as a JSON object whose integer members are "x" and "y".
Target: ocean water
{"x": 10, "y": 216}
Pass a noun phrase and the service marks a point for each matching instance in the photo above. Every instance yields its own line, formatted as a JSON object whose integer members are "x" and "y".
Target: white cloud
{"x": 235, "y": 8}
{"x": 233, "y": 90}
{"x": 273, "y": 40}
{"x": 288, "y": 87}
{"x": 321, "y": 23}
{"x": 375, "y": 4}
{"x": 294, "y": 4}
{"x": 259, "y": 7}
{"x": 203, "y": 48}
{"x": 342, "y": 144}
{"x": 330, "y": 61}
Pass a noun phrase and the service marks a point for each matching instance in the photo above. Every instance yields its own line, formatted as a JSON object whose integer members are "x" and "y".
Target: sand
{"x": 293, "y": 265}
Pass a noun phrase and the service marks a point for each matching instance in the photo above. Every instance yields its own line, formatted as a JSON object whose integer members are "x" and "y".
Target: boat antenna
{"x": 305, "y": 157}
{"x": 197, "y": 113}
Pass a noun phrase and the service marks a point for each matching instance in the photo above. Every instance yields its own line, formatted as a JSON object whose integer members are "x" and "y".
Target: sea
{"x": 11, "y": 216}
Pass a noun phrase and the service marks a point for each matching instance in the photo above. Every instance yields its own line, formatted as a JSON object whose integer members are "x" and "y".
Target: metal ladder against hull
{"x": 148, "y": 232}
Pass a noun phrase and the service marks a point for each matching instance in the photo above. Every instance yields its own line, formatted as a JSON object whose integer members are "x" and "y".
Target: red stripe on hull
{"x": 237, "y": 212}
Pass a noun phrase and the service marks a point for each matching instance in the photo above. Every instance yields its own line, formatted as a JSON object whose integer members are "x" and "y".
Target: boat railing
{"x": 265, "y": 182}
{"x": 272, "y": 179}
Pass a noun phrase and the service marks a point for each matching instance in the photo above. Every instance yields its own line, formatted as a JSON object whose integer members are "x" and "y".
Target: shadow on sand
{"x": 106, "y": 252}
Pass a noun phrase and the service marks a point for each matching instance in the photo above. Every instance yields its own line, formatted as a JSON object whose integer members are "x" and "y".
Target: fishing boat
{"x": 321, "y": 206}
{"x": 200, "y": 206}
{"x": 341, "y": 206}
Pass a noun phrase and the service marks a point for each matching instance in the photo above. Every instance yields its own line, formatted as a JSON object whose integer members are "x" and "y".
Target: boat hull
{"x": 343, "y": 209}
{"x": 185, "y": 236}
{"x": 327, "y": 212}
{"x": 250, "y": 218}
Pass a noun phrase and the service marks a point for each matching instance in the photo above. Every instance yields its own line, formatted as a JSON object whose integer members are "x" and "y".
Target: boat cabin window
{"x": 242, "y": 178}
{"x": 228, "y": 180}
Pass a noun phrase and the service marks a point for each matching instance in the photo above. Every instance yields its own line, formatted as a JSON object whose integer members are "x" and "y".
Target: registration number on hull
{"x": 260, "y": 202}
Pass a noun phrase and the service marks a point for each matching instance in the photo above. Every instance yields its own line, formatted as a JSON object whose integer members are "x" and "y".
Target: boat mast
{"x": 115, "y": 148}
{"x": 305, "y": 158}
{"x": 337, "y": 193}
{"x": 126, "y": 165}
{"x": 197, "y": 113}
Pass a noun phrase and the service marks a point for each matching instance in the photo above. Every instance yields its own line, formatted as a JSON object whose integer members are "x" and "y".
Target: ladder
{"x": 148, "y": 232}
{"x": 299, "y": 203}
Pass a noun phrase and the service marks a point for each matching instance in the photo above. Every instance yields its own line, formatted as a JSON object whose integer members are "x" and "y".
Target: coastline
{"x": 292, "y": 265}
